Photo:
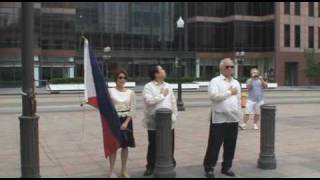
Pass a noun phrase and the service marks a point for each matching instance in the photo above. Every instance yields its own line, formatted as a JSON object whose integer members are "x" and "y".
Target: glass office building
{"x": 54, "y": 41}
{"x": 141, "y": 34}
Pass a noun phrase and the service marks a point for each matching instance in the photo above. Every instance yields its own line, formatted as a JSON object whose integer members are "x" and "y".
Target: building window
{"x": 287, "y": 35}
{"x": 297, "y": 8}
{"x": 311, "y": 37}
{"x": 297, "y": 36}
{"x": 311, "y": 9}
{"x": 286, "y": 7}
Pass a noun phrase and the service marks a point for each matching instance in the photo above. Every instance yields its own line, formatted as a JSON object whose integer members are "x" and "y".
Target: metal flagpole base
{"x": 29, "y": 139}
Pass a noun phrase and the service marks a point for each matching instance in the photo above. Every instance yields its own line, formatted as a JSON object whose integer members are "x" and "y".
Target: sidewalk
{"x": 71, "y": 145}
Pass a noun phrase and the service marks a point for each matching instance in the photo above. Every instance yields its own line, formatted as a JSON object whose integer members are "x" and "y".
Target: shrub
{"x": 77, "y": 80}
{"x": 176, "y": 80}
{"x": 313, "y": 68}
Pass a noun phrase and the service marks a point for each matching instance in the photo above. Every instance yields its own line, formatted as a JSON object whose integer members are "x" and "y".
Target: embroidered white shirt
{"x": 154, "y": 100}
{"x": 225, "y": 107}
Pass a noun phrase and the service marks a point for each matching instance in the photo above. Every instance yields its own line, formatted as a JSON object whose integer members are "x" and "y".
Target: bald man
{"x": 224, "y": 92}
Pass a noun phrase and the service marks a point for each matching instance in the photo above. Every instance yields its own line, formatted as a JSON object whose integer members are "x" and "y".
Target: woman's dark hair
{"x": 152, "y": 72}
{"x": 118, "y": 72}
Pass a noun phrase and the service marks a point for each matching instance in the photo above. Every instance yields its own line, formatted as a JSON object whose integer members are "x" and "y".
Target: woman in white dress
{"x": 124, "y": 103}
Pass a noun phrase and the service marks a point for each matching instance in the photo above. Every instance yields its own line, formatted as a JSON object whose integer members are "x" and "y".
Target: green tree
{"x": 312, "y": 70}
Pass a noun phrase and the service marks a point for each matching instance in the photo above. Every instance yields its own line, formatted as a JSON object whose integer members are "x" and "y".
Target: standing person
{"x": 124, "y": 102}
{"x": 255, "y": 86}
{"x": 224, "y": 92}
{"x": 157, "y": 94}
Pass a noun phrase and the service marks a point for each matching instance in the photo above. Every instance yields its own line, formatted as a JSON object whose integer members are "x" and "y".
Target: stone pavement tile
{"x": 75, "y": 160}
{"x": 297, "y": 171}
{"x": 248, "y": 169}
{"x": 196, "y": 171}
{"x": 46, "y": 162}
{"x": 71, "y": 155}
{"x": 52, "y": 171}
{"x": 186, "y": 172}
{"x": 9, "y": 165}
{"x": 81, "y": 169}
{"x": 10, "y": 172}
{"x": 69, "y": 147}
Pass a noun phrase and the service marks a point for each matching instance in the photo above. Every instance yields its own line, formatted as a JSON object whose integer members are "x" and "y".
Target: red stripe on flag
{"x": 111, "y": 144}
{"x": 93, "y": 102}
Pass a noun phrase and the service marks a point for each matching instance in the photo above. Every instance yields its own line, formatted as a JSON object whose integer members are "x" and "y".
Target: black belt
{"x": 124, "y": 111}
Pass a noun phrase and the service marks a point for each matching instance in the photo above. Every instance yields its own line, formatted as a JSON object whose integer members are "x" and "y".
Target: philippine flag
{"x": 97, "y": 95}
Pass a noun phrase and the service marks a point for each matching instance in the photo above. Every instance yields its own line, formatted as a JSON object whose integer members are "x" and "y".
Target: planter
{"x": 243, "y": 85}
{"x": 270, "y": 86}
{"x": 55, "y": 88}
{"x": 202, "y": 83}
{"x": 185, "y": 86}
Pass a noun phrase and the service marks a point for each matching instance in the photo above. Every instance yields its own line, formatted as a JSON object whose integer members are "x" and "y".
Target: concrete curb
{"x": 77, "y": 108}
{"x": 140, "y": 91}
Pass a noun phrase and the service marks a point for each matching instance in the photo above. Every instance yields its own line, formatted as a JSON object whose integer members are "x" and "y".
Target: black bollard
{"x": 164, "y": 167}
{"x": 267, "y": 158}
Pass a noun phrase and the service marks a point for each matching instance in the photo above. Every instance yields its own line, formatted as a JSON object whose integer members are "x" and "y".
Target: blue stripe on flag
{"x": 105, "y": 105}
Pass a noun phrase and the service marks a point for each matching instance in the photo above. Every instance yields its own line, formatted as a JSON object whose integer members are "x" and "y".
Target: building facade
{"x": 297, "y": 29}
{"x": 54, "y": 41}
{"x": 273, "y": 36}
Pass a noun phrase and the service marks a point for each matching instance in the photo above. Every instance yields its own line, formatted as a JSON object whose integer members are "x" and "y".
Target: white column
{"x": 36, "y": 76}
{"x": 36, "y": 72}
{"x": 71, "y": 69}
{"x": 261, "y": 66}
{"x": 236, "y": 68}
{"x": 197, "y": 68}
{"x": 71, "y": 72}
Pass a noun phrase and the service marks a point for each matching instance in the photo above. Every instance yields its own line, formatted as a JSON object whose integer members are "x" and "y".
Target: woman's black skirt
{"x": 127, "y": 135}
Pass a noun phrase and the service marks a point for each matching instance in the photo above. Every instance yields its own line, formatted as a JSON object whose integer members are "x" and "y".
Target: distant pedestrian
{"x": 224, "y": 92}
{"x": 256, "y": 86}
{"x": 157, "y": 94}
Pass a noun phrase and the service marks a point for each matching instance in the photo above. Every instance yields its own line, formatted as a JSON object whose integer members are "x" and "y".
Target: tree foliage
{"x": 312, "y": 70}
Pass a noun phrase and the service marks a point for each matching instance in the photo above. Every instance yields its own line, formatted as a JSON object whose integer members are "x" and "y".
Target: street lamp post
{"x": 29, "y": 133}
{"x": 107, "y": 56}
{"x": 238, "y": 60}
{"x": 81, "y": 25}
{"x": 180, "y": 26}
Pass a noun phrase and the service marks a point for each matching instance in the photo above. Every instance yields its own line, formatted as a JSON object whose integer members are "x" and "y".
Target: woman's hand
{"x": 124, "y": 126}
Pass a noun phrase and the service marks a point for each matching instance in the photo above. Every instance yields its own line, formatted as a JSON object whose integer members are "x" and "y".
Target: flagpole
{"x": 29, "y": 134}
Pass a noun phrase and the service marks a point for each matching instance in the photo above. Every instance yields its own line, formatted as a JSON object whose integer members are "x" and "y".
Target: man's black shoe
{"x": 209, "y": 172}
{"x": 228, "y": 173}
{"x": 148, "y": 172}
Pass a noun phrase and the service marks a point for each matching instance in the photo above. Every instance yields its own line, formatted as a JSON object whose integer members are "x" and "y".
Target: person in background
{"x": 256, "y": 86}
{"x": 124, "y": 102}
{"x": 224, "y": 93}
{"x": 157, "y": 94}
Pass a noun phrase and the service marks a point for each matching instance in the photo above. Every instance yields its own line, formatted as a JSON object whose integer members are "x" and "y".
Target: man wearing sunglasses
{"x": 224, "y": 92}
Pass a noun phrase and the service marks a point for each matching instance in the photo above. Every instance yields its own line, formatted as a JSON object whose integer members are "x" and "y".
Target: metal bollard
{"x": 164, "y": 167}
{"x": 267, "y": 158}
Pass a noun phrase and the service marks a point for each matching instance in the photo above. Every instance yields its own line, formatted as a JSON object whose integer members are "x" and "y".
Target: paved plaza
{"x": 71, "y": 143}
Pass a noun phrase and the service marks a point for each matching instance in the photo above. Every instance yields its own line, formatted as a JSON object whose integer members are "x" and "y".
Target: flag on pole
{"x": 97, "y": 95}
